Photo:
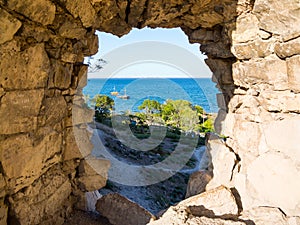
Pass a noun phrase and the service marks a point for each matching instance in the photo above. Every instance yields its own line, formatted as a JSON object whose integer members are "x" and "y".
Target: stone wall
{"x": 262, "y": 120}
{"x": 43, "y": 173}
{"x": 253, "y": 49}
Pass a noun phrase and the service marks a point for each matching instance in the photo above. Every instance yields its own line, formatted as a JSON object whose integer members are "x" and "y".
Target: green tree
{"x": 103, "y": 106}
{"x": 180, "y": 114}
{"x": 150, "y": 106}
{"x": 207, "y": 126}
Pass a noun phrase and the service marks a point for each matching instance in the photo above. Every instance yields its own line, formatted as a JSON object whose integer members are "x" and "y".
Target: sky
{"x": 149, "y": 53}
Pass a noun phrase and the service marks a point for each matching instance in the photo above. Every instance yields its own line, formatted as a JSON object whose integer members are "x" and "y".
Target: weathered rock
{"x": 40, "y": 11}
{"x": 283, "y": 101}
{"x": 253, "y": 49}
{"x": 278, "y": 18}
{"x": 34, "y": 158}
{"x": 31, "y": 65}
{"x": 222, "y": 173}
{"x": 19, "y": 111}
{"x": 197, "y": 208}
{"x": 3, "y": 212}
{"x": 268, "y": 189}
{"x": 265, "y": 216}
{"x": 83, "y": 10}
{"x": 92, "y": 174}
{"x": 11, "y": 26}
{"x": 289, "y": 48}
{"x": 282, "y": 136}
{"x": 246, "y": 28}
{"x": 125, "y": 211}
{"x": 197, "y": 183}
{"x": 271, "y": 71}
{"x": 45, "y": 198}
{"x": 221, "y": 70}
{"x": 293, "y": 71}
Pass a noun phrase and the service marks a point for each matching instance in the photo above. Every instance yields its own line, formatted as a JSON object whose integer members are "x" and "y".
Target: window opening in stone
{"x": 154, "y": 101}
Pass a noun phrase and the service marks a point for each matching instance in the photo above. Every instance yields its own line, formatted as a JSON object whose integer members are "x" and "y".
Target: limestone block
{"x": 136, "y": 11}
{"x": 54, "y": 110}
{"x": 41, "y": 11}
{"x": 82, "y": 9}
{"x": 197, "y": 183}
{"x": 9, "y": 26}
{"x": 45, "y": 200}
{"x": 33, "y": 158}
{"x": 214, "y": 221}
{"x": 72, "y": 30}
{"x": 221, "y": 70}
{"x": 77, "y": 143}
{"x": 201, "y": 36}
{"x": 71, "y": 147}
{"x": 295, "y": 220}
{"x": 92, "y": 45}
{"x": 246, "y": 29}
{"x": 275, "y": 181}
{"x": 265, "y": 216}
{"x": 289, "y": 48}
{"x": 283, "y": 136}
{"x": 196, "y": 209}
{"x": 3, "y": 213}
{"x": 245, "y": 133}
{"x": 216, "y": 50}
{"x": 2, "y": 186}
{"x": 279, "y": 17}
{"x": 293, "y": 70}
{"x": 253, "y": 49}
{"x": 211, "y": 200}
{"x": 283, "y": 101}
{"x": 93, "y": 173}
{"x": 19, "y": 111}
{"x": 272, "y": 71}
{"x": 222, "y": 172}
{"x": 81, "y": 114}
{"x": 26, "y": 70}
{"x": 125, "y": 211}
{"x": 60, "y": 75}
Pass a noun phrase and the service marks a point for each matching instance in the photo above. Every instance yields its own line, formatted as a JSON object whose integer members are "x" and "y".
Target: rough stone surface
{"x": 203, "y": 209}
{"x": 272, "y": 191}
{"x": 253, "y": 52}
{"x": 289, "y": 48}
{"x": 293, "y": 70}
{"x": 125, "y": 211}
{"x": 40, "y": 11}
{"x": 266, "y": 216}
{"x": 10, "y": 26}
{"x": 197, "y": 183}
{"x": 90, "y": 177}
{"x": 279, "y": 18}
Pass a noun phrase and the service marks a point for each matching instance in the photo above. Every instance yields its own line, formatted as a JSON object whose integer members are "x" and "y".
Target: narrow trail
{"x": 153, "y": 187}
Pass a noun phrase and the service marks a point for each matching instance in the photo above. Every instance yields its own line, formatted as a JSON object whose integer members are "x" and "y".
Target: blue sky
{"x": 150, "y": 53}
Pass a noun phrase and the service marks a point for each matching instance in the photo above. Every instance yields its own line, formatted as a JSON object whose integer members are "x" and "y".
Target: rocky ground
{"x": 79, "y": 217}
{"x": 158, "y": 196}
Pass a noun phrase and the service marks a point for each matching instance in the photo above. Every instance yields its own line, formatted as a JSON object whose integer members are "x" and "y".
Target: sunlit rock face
{"x": 254, "y": 54}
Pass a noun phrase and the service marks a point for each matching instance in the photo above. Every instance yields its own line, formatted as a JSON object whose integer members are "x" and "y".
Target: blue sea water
{"x": 199, "y": 91}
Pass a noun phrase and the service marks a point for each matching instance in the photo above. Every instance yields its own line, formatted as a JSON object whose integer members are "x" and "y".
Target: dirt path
{"x": 129, "y": 166}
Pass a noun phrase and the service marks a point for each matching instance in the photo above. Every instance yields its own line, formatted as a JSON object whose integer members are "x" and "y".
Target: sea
{"x": 198, "y": 91}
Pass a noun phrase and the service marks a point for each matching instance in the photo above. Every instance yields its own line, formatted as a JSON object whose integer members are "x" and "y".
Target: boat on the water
{"x": 125, "y": 96}
{"x": 114, "y": 92}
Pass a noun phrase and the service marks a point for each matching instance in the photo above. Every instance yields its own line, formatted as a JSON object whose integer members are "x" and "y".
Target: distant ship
{"x": 125, "y": 96}
{"x": 114, "y": 93}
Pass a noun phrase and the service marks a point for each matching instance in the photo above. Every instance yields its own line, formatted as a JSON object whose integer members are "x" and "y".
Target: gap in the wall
{"x": 156, "y": 65}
